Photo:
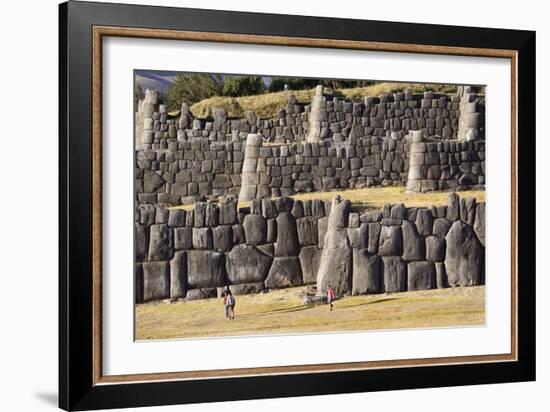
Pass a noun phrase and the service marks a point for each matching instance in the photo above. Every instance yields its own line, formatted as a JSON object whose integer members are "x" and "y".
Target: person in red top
{"x": 330, "y": 296}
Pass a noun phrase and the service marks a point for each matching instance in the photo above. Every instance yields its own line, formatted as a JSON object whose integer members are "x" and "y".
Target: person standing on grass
{"x": 230, "y": 304}
{"x": 330, "y": 296}
{"x": 225, "y": 303}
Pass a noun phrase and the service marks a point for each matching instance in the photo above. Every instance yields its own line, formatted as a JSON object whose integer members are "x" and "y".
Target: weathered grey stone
{"x": 141, "y": 242}
{"x": 284, "y": 272}
{"x": 479, "y": 222}
{"x": 307, "y": 231}
{"x": 199, "y": 214}
{"x": 152, "y": 182}
{"x": 424, "y": 222}
{"x": 244, "y": 289}
{"x": 205, "y": 268}
{"x": 183, "y": 238}
{"x": 156, "y": 280}
{"x": 177, "y": 218}
{"x": 339, "y": 214}
{"x": 287, "y": 236}
{"x": 394, "y": 271}
{"x": 441, "y": 226}
{"x": 284, "y": 204}
{"x": 271, "y": 230}
{"x": 398, "y": 211}
{"x": 421, "y": 276}
{"x": 468, "y": 210}
{"x": 161, "y": 215}
{"x": 336, "y": 262}
{"x": 228, "y": 210}
{"x": 310, "y": 257}
{"x": 359, "y": 237}
{"x": 435, "y": 249}
{"x": 374, "y": 238}
{"x": 255, "y": 230}
{"x": 298, "y": 209}
{"x": 202, "y": 293}
{"x": 391, "y": 241}
{"x": 354, "y": 220}
{"x": 366, "y": 273}
{"x": 160, "y": 242}
{"x": 464, "y": 256}
{"x": 267, "y": 249}
{"x": 453, "y": 207}
{"x": 202, "y": 238}
{"x": 211, "y": 215}
{"x": 387, "y": 221}
{"x": 139, "y": 282}
{"x": 178, "y": 275}
{"x": 147, "y": 214}
{"x": 317, "y": 208}
{"x": 441, "y": 275}
{"x": 372, "y": 216}
{"x": 414, "y": 247}
{"x": 247, "y": 264}
{"x": 322, "y": 225}
{"x": 238, "y": 234}
{"x": 222, "y": 238}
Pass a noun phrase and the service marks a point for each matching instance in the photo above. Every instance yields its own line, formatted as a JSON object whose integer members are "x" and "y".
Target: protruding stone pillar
{"x": 471, "y": 120}
{"x": 335, "y": 267}
{"x": 144, "y": 120}
{"x": 184, "y": 116}
{"x": 416, "y": 162}
{"x": 250, "y": 178}
{"x": 317, "y": 115}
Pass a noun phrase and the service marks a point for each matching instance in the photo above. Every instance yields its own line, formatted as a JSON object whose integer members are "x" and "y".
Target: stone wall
{"x": 283, "y": 243}
{"x": 330, "y": 144}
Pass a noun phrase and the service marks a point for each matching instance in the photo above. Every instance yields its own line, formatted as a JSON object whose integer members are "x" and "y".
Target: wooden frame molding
{"x": 99, "y": 32}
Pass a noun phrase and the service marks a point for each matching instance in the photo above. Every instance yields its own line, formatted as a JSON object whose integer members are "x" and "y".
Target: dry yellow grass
{"x": 269, "y": 104}
{"x": 281, "y": 311}
{"x": 376, "y": 197}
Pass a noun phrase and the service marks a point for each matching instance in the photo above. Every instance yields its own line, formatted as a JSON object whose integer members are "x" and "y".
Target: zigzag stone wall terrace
{"x": 283, "y": 243}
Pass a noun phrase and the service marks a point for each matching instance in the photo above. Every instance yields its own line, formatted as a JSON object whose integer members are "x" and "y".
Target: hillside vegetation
{"x": 268, "y": 105}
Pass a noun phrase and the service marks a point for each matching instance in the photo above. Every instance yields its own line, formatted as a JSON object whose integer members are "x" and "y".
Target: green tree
{"x": 243, "y": 86}
{"x": 191, "y": 88}
{"x": 139, "y": 94}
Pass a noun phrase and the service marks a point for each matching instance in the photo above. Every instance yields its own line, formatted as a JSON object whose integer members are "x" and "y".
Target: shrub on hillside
{"x": 243, "y": 86}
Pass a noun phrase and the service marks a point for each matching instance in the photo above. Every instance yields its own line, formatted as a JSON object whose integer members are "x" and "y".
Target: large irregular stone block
{"x": 205, "y": 268}
{"x": 178, "y": 275}
{"x": 441, "y": 227}
{"x": 394, "y": 274}
{"x": 287, "y": 236}
{"x": 339, "y": 214}
{"x": 199, "y": 214}
{"x": 453, "y": 207}
{"x": 177, "y": 218}
{"x": 359, "y": 237}
{"x": 243, "y": 289}
{"x": 202, "y": 293}
{"x": 310, "y": 258}
{"x": 336, "y": 262}
{"x": 441, "y": 275}
{"x": 142, "y": 242}
{"x": 247, "y": 264}
{"x": 435, "y": 249}
{"x": 183, "y": 238}
{"x": 322, "y": 225}
{"x": 271, "y": 230}
{"x": 307, "y": 231}
{"x": 424, "y": 222}
{"x": 468, "y": 210}
{"x": 284, "y": 272}
{"x": 391, "y": 241}
{"x": 479, "y": 222}
{"x": 160, "y": 242}
{"x": 156, "y": 280}
{"x": 367, "y": 275}
{"x": 464, "y": 256}
{"x": 255, "y": 230}
{"x": 421, "y": 276}
{"x": 414, "y": 246}
{"x": 152, "y": 182}
{"x": 374, "y": 237}
{"x": 202, "y": 238}
{"x": 228, "y": 210}
{"x": 222, "y": 238}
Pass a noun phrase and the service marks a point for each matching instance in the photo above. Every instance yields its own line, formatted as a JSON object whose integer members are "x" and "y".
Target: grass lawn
{"x": 281, "y": 311}
{"x": 374, "y": 198}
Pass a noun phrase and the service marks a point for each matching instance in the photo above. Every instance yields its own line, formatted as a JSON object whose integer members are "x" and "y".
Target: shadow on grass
{"x": 291, "y": 309}
{"x": 368, "y": 303}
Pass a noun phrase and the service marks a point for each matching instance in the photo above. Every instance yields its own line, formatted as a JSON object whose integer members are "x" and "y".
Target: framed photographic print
{"x": 257, "y": 206}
